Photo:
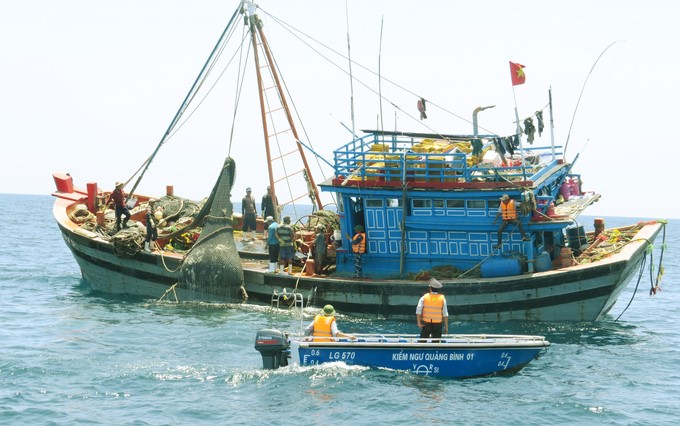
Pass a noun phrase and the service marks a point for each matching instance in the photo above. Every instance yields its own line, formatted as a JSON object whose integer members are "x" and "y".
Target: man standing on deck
{"x": 320, "y": 249}
{"x": 151, "y": 227}
{"x": 432, "y": 312}
{"x": 284, "y": 234}
{"x": 268, "y": 204}
{"x": 508, "y": 212}
{"x": 249, "y": 211}
{"x": 359, "y": 248}
{"x": 118, "y": 197}
{"x": 272, "y": 243}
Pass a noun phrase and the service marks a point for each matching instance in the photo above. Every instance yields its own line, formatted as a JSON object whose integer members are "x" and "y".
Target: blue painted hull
{"x": 453, "y": 357}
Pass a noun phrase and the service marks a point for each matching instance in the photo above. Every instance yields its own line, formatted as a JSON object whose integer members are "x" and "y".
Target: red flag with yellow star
{"x": 517, "y": 74}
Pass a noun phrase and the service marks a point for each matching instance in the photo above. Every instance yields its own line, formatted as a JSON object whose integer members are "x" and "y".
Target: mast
{"x": 552, "y": 124}
{"x": 256, "y": 30}
{"x": 252, "y": 22}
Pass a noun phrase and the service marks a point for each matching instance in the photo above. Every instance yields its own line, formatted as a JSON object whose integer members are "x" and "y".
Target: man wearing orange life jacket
{"x": 508, "y": 212}
{"x": 324, "y": 328}
{"x": 432, "y": 314}
{"x": 359, "y": 248}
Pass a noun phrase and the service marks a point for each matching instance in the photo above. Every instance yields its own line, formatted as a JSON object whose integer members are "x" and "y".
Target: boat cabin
{"x": 430, "y": 201}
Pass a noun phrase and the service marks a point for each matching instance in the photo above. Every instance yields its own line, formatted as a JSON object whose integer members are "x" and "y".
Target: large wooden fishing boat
{"x": 427, "y": 202}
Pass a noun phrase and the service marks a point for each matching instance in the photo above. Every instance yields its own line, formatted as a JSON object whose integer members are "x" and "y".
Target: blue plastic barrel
{"x": 543, "y": 262}
{"x": 501, "y": 266}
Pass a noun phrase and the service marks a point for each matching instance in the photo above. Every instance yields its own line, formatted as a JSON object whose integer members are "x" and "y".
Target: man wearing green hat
{"x": 324, "y": 327}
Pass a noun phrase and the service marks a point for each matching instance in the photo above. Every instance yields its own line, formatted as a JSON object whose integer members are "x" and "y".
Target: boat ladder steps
{"x": 298, "y": 299}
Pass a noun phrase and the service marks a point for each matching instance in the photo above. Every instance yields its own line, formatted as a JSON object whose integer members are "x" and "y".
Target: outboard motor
{"x": 273, "y": 346}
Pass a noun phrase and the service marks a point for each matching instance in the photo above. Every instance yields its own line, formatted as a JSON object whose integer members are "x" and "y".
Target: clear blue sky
{"x": 89, "y": 87}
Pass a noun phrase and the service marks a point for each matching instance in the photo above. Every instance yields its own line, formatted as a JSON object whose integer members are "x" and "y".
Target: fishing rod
{"x": 566, "y": 144}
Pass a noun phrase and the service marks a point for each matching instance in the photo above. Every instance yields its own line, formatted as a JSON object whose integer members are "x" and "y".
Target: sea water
{"x": 71, "y": 356}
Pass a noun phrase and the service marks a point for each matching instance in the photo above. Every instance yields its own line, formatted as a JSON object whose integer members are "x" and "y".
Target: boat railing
{"x": 375, "y": 160}
{"x": 397, "y": 339}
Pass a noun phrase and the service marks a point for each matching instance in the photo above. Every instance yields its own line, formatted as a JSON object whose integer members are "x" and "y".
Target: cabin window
{"x": 455, "y": 204}
{"x": 374, "y": 203}
{"x": 439, "y": 207}
{"x": 394, "y": 202}
{"x": 493, "y": 204}
{"x": 476, "y": 204}
{"x": 422, "y": 204}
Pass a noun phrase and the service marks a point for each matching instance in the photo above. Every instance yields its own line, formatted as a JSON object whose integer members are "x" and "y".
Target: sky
{"x": 89, "y": 87}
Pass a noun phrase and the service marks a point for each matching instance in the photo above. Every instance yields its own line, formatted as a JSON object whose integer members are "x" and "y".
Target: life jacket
{"x": 508, "y": 210}
{"x": 361, "y": 247}
{"x": 322, "y": 328}
{"x": 433, "y": 306}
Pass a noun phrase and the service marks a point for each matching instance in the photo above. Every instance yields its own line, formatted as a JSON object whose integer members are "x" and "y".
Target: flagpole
{"x": 518, "y": 132}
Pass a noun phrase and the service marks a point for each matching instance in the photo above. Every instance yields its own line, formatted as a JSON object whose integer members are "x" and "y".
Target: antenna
{"x": 351, "y": 79}
{"x": 380, "y": 74}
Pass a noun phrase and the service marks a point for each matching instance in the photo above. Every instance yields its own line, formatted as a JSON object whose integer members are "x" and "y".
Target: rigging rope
{"x": 295, "y": 31}
{"x": 189, "y": 97}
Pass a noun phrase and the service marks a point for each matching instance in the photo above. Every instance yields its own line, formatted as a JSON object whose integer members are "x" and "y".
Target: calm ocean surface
{"x": 69, "y": 356}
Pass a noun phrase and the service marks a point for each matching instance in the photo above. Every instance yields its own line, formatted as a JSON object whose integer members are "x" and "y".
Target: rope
{"x": 654, "y": 285}
{"x": 172, "y": 288}
{"x": 163, "y": 261}
{"x": 642, "y": 267}
{"x": 302, "y": 271}
{"x": 81, "y": 214}
{"x": 128, "y": 242}
{"x": 493, "y": 252}
{"x": 660, "y": 270}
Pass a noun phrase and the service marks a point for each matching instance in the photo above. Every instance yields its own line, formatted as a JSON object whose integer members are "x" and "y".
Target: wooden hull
{"x": 578, "y": 293}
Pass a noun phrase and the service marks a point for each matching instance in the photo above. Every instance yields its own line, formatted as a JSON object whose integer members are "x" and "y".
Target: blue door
{"x": 383, "y": 225}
